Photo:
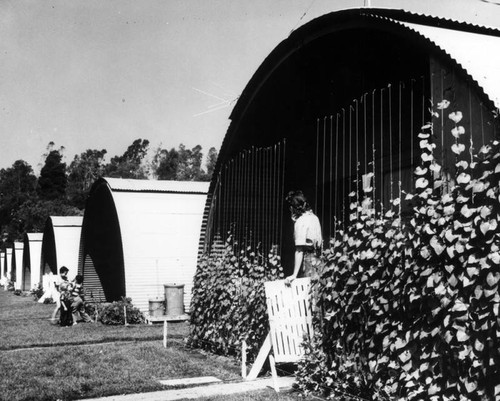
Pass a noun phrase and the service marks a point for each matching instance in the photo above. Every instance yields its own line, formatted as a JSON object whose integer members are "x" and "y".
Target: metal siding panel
{"x": 91, "y": 282}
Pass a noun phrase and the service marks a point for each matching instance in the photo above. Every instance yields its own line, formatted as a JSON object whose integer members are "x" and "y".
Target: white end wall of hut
{"x": 18, "y": 255}
{"x": 3, "y": 271}
{"x": 8, "y": 262}
{"x": 35, "y": 252}
{"x": 160, "y": 242}
{"x": 67, "y": 233}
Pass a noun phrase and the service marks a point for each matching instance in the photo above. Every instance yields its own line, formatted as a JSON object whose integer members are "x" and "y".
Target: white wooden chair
{"x": 290, "y": 318}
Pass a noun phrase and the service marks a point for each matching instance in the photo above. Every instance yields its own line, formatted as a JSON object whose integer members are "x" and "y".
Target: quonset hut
{"x": 60, "y": 245}
{"x": 336, "y": 110}
{"x": 32, "y": 260}
{"x": 138, "y": 235}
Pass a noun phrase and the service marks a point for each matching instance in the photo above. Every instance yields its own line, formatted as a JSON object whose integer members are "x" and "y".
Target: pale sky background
{"x": 94, "y": 74}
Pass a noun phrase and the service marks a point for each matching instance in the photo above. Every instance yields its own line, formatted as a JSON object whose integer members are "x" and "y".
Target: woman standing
{"x": 307, "y": 236}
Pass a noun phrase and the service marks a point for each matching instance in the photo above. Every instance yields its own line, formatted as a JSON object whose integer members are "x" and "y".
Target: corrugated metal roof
{"x": 477, "y": 52}
{"x": 66, "y": 221}
{"x": 462, "y": 41}
{"x": 132, "y": 185}
{"x": 34, "y": 236}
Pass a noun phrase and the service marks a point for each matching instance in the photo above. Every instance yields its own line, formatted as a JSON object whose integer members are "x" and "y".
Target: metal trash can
{"x": 156, "y": 307}
{"x": 174, "y": 299}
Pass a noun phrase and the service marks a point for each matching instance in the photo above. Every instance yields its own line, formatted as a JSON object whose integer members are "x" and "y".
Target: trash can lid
{"x": 173, "y": 285}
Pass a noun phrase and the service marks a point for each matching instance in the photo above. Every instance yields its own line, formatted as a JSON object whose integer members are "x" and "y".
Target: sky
{"x": 98, "y": 74}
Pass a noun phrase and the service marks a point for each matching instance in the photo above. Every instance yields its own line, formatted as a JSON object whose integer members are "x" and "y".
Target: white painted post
{"x": 274, "y": 374}
{"x": 244, "y": 359}
{"x": 125, "y": 314}
{"x": 261, "y": 358}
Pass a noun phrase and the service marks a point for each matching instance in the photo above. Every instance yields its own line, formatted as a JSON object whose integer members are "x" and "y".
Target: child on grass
{"x": 61, "y": 280}
{"x": 78, "y": 304}
{"x": 66, "y": 317}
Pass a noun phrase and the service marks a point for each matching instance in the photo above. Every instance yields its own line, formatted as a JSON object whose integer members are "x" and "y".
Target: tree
{"x": 211, "y": 162}
{"x": 17, "y": 185}
{"x": 131, "y": 164}
{"x": 183, "y": 164}
{"x": 52, "y": 181}
{"x": 32, "y": 214}
{"x": 83, "y": 171}
{"x": 165, "y": 164}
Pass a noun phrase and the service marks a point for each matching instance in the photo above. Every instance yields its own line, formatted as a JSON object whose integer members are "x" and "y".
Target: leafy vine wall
{"x": 410, "y": 309}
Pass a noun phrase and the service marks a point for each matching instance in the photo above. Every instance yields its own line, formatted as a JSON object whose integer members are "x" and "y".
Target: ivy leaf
{"x": 455, "y": 116}
{"x": 471, "y": 386}
{"x": 492, "y": 279}
{"x": 457, "y": 148}
{"x": 466, "y": 212}
{"x": 427, "y": 157}
{"x": 437, "y": 245}
{"x": 463, "y": 178}
{"x": 458, "y": 131}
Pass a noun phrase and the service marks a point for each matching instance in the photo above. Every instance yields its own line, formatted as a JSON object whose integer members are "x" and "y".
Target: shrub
{"x": 114, "y": 314}
{"x": 228, "y": 304}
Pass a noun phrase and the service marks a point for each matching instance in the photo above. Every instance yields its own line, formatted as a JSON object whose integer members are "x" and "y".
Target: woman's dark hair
{"x": 298, "y": 203}
{"x": 63, "y": 269}
{"x": 79, "y": 279}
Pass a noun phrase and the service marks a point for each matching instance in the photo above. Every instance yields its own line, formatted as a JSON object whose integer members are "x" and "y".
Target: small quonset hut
{"x": 138, "y": 235}
{"x": 60, "y": 245}
{"x": 336, "y": 109}
{"x": 32, "y": 260}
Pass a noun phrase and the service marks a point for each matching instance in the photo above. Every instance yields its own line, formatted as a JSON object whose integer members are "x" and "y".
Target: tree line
{"x": 61, "y": 190}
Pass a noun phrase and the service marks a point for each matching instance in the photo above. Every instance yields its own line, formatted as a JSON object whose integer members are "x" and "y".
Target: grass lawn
{"x": 25, "y": 323}
{"x": 41, "y": 361}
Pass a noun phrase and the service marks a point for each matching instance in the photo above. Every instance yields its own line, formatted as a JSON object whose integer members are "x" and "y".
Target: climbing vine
{"x": 228, "y": 304}
{"x": 410, "y": 308}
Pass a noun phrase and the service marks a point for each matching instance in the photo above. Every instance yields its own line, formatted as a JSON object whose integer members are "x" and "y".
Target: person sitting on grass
{"x": 62, "y": 279}
{"x": 78, "y": 304}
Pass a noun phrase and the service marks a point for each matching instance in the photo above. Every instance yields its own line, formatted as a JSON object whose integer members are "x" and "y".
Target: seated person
{"x": 78, "y": 304}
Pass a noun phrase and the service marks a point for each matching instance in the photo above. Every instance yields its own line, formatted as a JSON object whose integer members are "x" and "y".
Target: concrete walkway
{"x": 285, "y": 383}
